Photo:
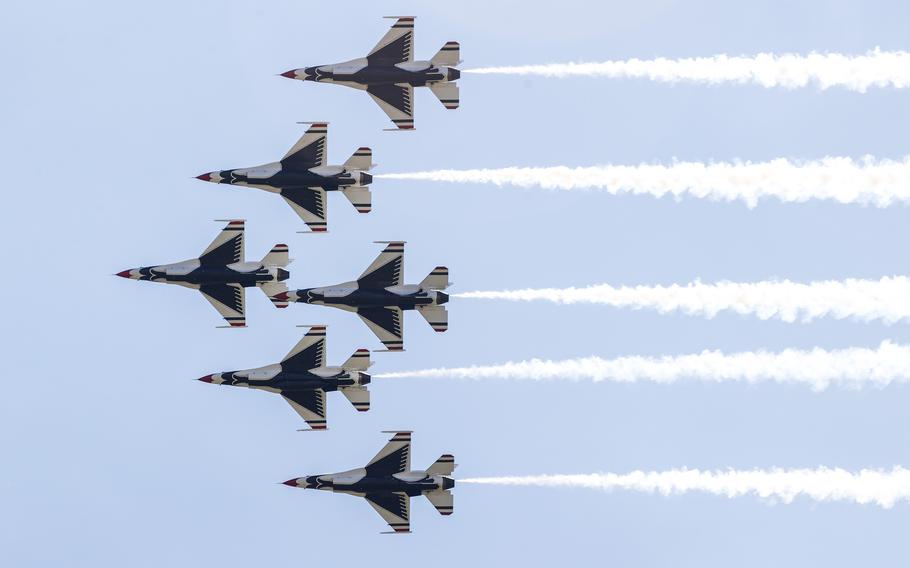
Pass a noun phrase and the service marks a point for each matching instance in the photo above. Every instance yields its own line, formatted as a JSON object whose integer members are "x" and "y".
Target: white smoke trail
{"x": 887, "y": 299}
{"x": 881, "y": 487}
{"x": 854, "y": 72}
{"x": 818, "y": 369}
{"x": 867, "y": 181}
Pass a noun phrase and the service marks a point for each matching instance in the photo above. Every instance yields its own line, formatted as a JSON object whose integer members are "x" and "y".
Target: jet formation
{"x": 389, "y": 73}
{"x": 387, "y": 482}
{"x": 379, "y": 296}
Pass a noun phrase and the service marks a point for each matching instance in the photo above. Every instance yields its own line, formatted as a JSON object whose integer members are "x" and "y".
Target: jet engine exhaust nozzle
{"x": 447, "y": 483}
{"x": 453, "y": 74}
{"x": 283, "y": 274}
{"x": 365, "y": 178}
{"x": 441, "y": 298}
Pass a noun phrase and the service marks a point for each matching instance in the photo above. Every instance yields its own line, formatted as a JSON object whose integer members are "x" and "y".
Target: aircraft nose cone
{"x": 205, "y": 379}
{"x": 124, "y": 274}
{"x": 205, "y": 177}
{"x": 291, "y": 482}
{"x": 292, "y": 74}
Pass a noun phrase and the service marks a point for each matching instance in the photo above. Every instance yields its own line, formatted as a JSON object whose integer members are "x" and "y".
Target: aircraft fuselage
{"x": 357, "y": 483}
{"x": 369, "y": 297}
{"x": 285, "y": 381}
{"x": 416, "y": 73}
{"x": 208, "y": 275}
{"x": 276, "y": 177}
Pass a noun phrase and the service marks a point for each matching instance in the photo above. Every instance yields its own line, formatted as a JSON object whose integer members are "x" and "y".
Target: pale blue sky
{"x": 115, "y": 456}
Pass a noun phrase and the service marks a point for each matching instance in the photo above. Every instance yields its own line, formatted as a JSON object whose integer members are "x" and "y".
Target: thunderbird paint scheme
{"x": 221, "y": 274}
{"x": 379, "y": 297}
{"x": 387, "y": 482}
{"x": 302, "y": 178}
{"x": 389, "y": 73}
{"x": 302, "y": 378}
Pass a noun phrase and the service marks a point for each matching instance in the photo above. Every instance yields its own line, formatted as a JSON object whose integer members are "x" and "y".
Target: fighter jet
{"x": 221, "y": 274}
{"x": 387, "y": 482}
{"x": 303, "y": 379}
{"x": 302, "y": 177}
{"x": 389, "y": 73}
{"x": 379, "y": 297}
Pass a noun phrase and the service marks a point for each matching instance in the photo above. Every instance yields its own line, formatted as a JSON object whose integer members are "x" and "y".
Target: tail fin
{"x": 447, "y": 93}
{"x": 445, "y": 465}
{"x": 278, "y": 256}
{"x": 436, "y": 316}
{"x": 449, "y": 55}
{"x": 277, "y": 292}
{"x": 438, "y": 279}
{"x": 360, "y": 197}
{"x": 443, "y": 501}
{"x": 359, "y": 397}
{"x": 362, "y": 159}
{"x": 359, "y": 361}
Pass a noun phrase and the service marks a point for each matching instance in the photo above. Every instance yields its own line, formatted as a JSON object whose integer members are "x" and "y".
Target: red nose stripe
{"x": 204, "y": 177}
{"x": 124, "y": 274}
{"x": 206, "y": 379}
{"x": 292, "y": 74}
{"x": 291, "y": 482}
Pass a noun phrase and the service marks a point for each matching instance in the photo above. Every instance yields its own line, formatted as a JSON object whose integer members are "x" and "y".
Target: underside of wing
{"x": 310, "y": 405}
{"x": 386, "y": 270}
{"x": 397, "y": 101}
{"x": 309, "y": 151}
{"x": 397, "y": 45}
{"x": 394, "y": 457}
{"x": 310, "y": 204}
{"x": 387, "y": 324}
{"x": 227, "y": 248}
{"x": 309, "y": 352}
{"x": 229, "y": 300}
{"x": 394, "y": 508}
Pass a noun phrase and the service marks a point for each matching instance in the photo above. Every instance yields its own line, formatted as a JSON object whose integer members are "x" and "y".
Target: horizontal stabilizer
{"x": 438, "y": 279}
{"x": 436, "y": 316}
{"x": 359, "y": 361}
{"x": 278, "y": 256}
{"x": 359, "y": 197}
{"x": 447, "y": 93}
{"x": 359, "y": 397}
{"x": 445, "y": 465}
{"x": 361, "y": 160}
{"x": 443, "y": 501}
{"x": 449, "y": 55}
{"x": 272, "y": 289}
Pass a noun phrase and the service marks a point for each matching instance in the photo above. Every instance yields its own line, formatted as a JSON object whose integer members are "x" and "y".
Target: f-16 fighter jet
{"x": 387, "y": 482}
{"x": 379, "y": 297}
{"x": 302, "y": 177}
{"x": 389, "y": 73}
{"x": 221, "y": 274}
{"x": 303, "y": 379}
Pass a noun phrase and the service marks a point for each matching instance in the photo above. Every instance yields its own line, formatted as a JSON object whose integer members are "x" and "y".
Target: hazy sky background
{"x": 115, "y": 456}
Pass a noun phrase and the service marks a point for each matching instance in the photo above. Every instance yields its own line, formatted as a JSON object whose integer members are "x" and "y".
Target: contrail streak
{"x": 854, "y": 72}
{"x": 887, "y": 299}
{"x": 817, "y": 369}
{"x": 881, "y": 487}
{"x": 867, "y": 181}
